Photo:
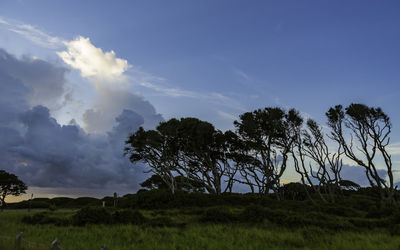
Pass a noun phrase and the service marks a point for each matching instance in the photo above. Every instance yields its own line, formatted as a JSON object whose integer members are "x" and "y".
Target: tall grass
{"x": 264, "y": 235}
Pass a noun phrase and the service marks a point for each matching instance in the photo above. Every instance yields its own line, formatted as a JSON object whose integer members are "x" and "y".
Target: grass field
{"x": 190, "y": 234}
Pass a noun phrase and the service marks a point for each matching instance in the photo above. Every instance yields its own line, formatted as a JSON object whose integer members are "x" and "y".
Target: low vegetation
{"x": 198, "y": 221}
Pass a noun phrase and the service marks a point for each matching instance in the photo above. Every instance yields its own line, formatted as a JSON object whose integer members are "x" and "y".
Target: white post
{"x": 18, "y": 240}
{"x": 54, "y": 245}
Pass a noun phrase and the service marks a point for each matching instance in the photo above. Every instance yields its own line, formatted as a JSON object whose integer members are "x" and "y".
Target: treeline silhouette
{"x": 192, "y": 155}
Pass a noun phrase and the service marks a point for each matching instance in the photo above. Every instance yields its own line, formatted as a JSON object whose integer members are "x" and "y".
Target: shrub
{"x": 35, "y": 203}
{"x": 395, "y": 229}
{"x": 162, "y": 222}
{"x": 37, "y": 218}
{"x": 64, "y": 202}
{"x": 375, "y": 212}
{"x": 85, "y": 201}
{"x": 340, "y": 211}
{"x": 368, "y": 223}
{"x": 128, "y": 216}
{"x": 92, "y": 215}
{"x": 218, "y": 215}
{"x": 45, "y": 218}
{"x": 253, "y": 213}
{"x": 313, "y": 234}
{"x": 52, "y": 207}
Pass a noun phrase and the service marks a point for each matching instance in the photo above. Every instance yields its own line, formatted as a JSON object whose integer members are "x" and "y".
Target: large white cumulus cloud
{"x": 91, "y": 61}
{"x": 105, "y": 72}
{"x": 43, "y": 152}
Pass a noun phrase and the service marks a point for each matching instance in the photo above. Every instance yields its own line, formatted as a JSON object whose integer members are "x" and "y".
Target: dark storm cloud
{"x": 357, "y": 174}
{"x": 52, "y": 155}
{"x": 45, "y": 81}
{"x": 44, "y": 153}
{"x": 108, "y": 105}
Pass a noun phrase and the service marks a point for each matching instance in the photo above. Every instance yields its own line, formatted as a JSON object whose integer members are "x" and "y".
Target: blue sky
{"x": 304, "y": 54}
{"x": 217, "y": 59}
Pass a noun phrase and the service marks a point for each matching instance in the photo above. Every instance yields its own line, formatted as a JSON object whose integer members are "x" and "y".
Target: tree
{"x": 10, "y": 185}
{"x": 154, "y": 182}
{"x": 159, "y": 149}
{"x": 268, "y": 135}
{"x": 182, "y": 183}
{"x": 206, "y": 154}
{"x": 188, "y": 147}
{"x": 311, "y": 143}
{"x": 363, "y": 132}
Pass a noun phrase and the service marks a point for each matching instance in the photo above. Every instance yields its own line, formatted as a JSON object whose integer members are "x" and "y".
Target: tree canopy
{"x": 265, "y": 143}
{"x": 10, "y": 185}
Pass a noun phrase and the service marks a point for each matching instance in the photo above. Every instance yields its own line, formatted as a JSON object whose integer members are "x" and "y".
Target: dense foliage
{"x": 264, "y": 145}
{"x": 10, "y": 185}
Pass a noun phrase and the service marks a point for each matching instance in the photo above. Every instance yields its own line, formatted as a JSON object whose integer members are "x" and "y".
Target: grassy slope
{"x": 192, "y": 236}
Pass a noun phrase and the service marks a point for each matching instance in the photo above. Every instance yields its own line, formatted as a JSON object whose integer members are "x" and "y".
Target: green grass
{"x": 193, "y": 235}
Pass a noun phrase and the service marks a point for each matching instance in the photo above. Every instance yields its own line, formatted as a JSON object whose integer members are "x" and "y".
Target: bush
{"x": 52, "y": 207}
{"x": 360, "y": 202}
{"x": 395, "y": 229}
{"x": 35, "y": 203}
{"x": 253, "y": 213}
{"x": 162, "y": 222}
{"x": 218, "y": 215}
{"x": 38, "y": 218}
{"x": 63, "y": 202}
{"x": 340, "y": 211}
{"x": 375, "y": 212}
{"x": 45, "y": 218}
{"x": 85, "y": 201}
{"x": 92, "y": 215}
{"x": 368, "y": 223}
{"x": 128, "y": 216}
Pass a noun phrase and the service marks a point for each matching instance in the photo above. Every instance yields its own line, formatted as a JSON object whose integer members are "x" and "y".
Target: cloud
{"x": 32, "y": 33}
{"x": 111, "y": 86}
{"x": 242, "y": 74}
{"x": 357, "y": 174}
{"x": 46, "y": 82}
{"x": 43, "y": 152}
{"x": 52, "y": 155}
{"x": 394, "y": 148}
{"x": 227, "y": 115}
{"x": 102, "y": 68}
{"x": 109, "y": 103}
{"x": 213, "y": 97}
{"x": 91, "y": 61}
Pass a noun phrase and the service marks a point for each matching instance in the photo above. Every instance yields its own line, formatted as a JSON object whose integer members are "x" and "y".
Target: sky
{"x": 77, "y": 77}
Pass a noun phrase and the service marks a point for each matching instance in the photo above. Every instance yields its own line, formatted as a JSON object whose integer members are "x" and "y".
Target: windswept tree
{"x": 182, "y": 183}
{"x": 364, "y": 134}
{"x": 206, "y": 155}
{"x": 10, "y": 184}
{"x": 154, "y": 182}
{"x": 159, "y": 149}
{"x": 314, "y": 160}
{"x": 247, "y": 165}
{"x": 189, "y": 148}
{"x": 268, "y": 135}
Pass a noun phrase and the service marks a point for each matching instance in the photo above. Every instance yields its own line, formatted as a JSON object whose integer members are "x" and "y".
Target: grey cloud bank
{"x": 44, "y": 153}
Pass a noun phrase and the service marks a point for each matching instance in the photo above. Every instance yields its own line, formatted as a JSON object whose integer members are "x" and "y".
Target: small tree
{"x": 159, "y": 149}
{"x": 154, "y": 182}
{"x": 268, "y": 135}
{"x": 206, "y": 155}
{"x": 364, "y": 134}
{"x": 10, "y": 185}
{"x": 311, "y": 143}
